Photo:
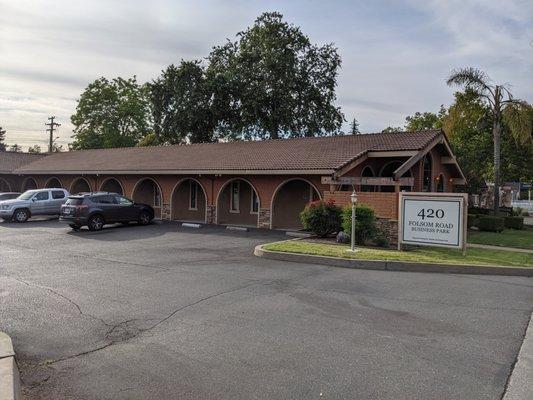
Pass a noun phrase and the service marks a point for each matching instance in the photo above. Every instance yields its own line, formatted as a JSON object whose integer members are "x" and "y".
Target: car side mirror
{"x": 34, "y": 199}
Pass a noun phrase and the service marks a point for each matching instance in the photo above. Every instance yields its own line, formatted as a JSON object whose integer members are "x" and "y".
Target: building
{"x": 262, "y": 184}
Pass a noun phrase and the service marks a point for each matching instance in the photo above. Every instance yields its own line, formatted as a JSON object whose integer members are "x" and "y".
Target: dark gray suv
{"x": 99, "y": 208}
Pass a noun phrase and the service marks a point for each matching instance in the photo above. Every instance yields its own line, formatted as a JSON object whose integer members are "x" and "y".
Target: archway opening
{"x": 427, "y": 177}
{"x": 388, "y": 171}
{"x": 147, "y": 191}
{"x": 238, "y": 204}
{"x": 112, "y": 185}
{"x": 188, "y": 201}
{"x": 80, "y": 185}
{"x": 53, "y": 183}
{"x": 289, "y": 201}
{"x": 29, "y": 184}
{"x": 4, "y": 185}
{"x": 367, "y": 173}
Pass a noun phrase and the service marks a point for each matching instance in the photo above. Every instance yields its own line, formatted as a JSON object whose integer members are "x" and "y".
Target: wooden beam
{"x": 448, "y": 160}
{"x": 417, "y": 157}
{"x": 458, "y": 181}
{"x": 351, "y": 165}
{"x": 370, "y": 181}
{"x": 404, "y": 153}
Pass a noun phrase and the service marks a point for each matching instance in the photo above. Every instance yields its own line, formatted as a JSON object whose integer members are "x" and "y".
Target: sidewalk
{"x": 489, "y": 247}
{"x": 519, "y": 386}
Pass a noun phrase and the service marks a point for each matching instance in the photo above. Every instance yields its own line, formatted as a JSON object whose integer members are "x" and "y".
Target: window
{"x": 234, "y": 201}
{"x": 74, "y": 201}
{"x": 254, "y": 208}
{"x": 103, "y": 199}
{"x": 193, "y": 195}
{"x": 440, "y": 183}
{"x": 58, "y": 194}
{"x": 427, "y": 174}
{"x": 41, "y": 196}
{"x": 124, "y": 201}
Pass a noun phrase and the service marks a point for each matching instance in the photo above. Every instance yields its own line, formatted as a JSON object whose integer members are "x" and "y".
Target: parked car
{"x": 97, "y": 209}
{"x": 9, "y": 195}
{"x": 32, "y": 203}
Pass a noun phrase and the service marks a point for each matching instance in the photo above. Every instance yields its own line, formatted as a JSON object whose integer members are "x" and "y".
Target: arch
{"x": 427, "y": 177}
{"x": 441, "y": 183}
{"x": 368, "y": 172}
{"x": 4, "y": 185}
{"x": 148, "y": 191}
{"x": 180, "y": 201}
{"x": 388, "y": 171}
{"x": 80, "y": 185}
{"x": 53, "y": 183}
{"x": 112, "y": 185}
{"x": 28, "y": 184}
{"x": 292, "y": 195}
{"x": 245, "y": 213}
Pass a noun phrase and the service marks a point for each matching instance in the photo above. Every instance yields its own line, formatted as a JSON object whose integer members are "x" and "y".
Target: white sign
{"x": 433, "y": 219}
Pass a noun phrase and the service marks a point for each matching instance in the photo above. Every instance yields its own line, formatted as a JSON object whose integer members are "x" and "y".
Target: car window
{"x": 27, "y": 195}
{"x": 74, "y": 201}
{"x": 41, "y": 196}
{"x": 124, "y": 201}
{"x": 103, "y": 199}
{"x": 58, "y": 194}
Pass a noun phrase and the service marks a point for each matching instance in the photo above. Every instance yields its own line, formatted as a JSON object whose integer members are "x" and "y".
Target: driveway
{"x": 163, "y": 312}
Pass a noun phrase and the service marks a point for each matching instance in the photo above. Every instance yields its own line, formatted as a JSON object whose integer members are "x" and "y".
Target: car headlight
{"x": 6, "y": 207}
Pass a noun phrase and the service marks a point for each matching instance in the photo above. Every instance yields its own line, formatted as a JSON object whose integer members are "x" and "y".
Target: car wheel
{"x": 95, "y": 223}
{"x": 21, "y": 215}
{"x": 75, "y": 227}
{"x": 144, "y": 218}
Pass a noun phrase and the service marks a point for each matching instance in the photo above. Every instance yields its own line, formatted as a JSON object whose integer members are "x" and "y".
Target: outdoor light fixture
{"x": 353, "y": 200}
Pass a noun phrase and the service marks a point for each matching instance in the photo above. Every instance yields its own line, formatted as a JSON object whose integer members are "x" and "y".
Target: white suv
{"x": 33, "y": 202}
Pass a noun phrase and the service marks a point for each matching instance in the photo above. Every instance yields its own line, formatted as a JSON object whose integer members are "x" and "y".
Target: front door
{"x": 40, "y": 203}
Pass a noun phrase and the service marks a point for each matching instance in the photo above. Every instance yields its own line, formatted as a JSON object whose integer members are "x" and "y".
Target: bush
{"x": 490, "y": 223}
{"x": 322, "y": 218}
{"x": 472, "y": 220}
{"x": 517, "y": 211}
{"x": 514, "y": 222}
{"x": 381, "y": 239}
{"x": 365, "y": 223}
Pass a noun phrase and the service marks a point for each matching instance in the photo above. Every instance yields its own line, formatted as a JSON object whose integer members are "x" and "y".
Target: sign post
{"x": 433, "y": 219}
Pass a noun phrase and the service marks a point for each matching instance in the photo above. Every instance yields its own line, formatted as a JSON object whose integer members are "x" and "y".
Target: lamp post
{"x": 353, "y": 200}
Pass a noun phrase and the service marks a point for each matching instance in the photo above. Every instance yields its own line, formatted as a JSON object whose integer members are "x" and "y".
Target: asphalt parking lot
{"x": 163, "y": 312}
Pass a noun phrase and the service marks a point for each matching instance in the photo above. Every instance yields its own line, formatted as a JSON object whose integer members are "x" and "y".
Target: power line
{"x": 53, "y": 126}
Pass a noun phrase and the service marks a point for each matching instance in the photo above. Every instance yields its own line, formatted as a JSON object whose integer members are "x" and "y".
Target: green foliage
{"x": 490, "y": 223}
{"x": 150, "y": 139}
{"x": 422, "y": 121}
{"x": 392, "y": 129}
{"x": 111, "y": 113}
{"x": 2, "y": 139}
{"x": 472, "y": 220}
{"x": 273, "y": 82}
{"x": 182, "y": 107}
{"x": 354, "y": 127}
{"x": 322, "y": 218}
{"x": 365, "y": 223}
{"x": 34, "y": 149}
{"x": 15, "y": 148}
{"x": 514, "y": 222}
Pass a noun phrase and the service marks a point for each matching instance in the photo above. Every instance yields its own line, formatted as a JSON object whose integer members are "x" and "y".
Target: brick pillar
{"x": 264, "y": 218}
{"x": 211, "y": 210}
{"x": 166, "y": 212}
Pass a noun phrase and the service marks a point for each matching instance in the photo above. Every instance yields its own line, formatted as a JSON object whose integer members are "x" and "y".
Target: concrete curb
{"x": 519, "y": 386}
{"x": 259, "y": 251}
{"x": 9, "y": 373}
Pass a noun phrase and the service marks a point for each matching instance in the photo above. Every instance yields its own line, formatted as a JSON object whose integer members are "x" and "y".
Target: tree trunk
{"x": 496, "y": 132}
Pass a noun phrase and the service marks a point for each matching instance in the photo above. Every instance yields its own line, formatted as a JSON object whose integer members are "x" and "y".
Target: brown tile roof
{"x": 10, "y": 161}
{"x": 320, "y": 153}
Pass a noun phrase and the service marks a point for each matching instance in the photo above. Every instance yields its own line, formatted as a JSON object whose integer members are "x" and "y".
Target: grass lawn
{"x": 422, "y": 255}
{"x": 522, "y": 239}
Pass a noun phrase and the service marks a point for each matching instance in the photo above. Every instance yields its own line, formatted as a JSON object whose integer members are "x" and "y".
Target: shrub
{"x": 381, "y": 239}
{"x": 478, "y": 211}
{"x": 517, "y": 211}
{"x": 472, "y": 220}
{"x": 365, "y": 223}
{"x": 490, "y": 223}
{"x": 322, "y": 218}
{"x": 514, "y": 222}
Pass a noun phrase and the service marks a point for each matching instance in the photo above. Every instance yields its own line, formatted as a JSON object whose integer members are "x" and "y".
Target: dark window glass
{"x": 193, "y": 192}
{"x": 74, "y": 201}
{"x": 103, "y": 199}
{"x": 124, "y": 201}
{"x": 58, "y": 194}
{"x": 41, "y": 196}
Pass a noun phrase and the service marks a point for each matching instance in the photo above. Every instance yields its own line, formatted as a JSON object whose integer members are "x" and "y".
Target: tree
{"x": 36, "y": 149}
{"x": 501, "y": 107}
{"x": 424, "y": 121}
{"x": 181, "y": 105}
{"x": 15, "y": 148}
{"x": 2, "y": 139}
{"x": 273, "y": 82}
{"x": 354, "y": 127}
{"x": 392, "y": 129}
{"x": 111, "y": 113}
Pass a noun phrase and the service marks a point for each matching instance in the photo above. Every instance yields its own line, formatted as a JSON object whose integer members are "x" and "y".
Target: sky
{"x": 396, "y": 55}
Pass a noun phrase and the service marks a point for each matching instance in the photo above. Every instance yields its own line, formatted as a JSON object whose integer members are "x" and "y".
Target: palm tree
{"x": 501, "y": 107}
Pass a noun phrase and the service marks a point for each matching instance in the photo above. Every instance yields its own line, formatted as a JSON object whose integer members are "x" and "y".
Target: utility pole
{"x": 53, "y": 126}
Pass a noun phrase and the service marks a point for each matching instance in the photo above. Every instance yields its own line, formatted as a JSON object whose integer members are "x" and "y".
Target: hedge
{"x": 514, "y": 222}
{"x": 472, "y": 220}
{"x": 365, "y": 223}
{"x": 490, "y": 223}
{"x": 322, "y": 218}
